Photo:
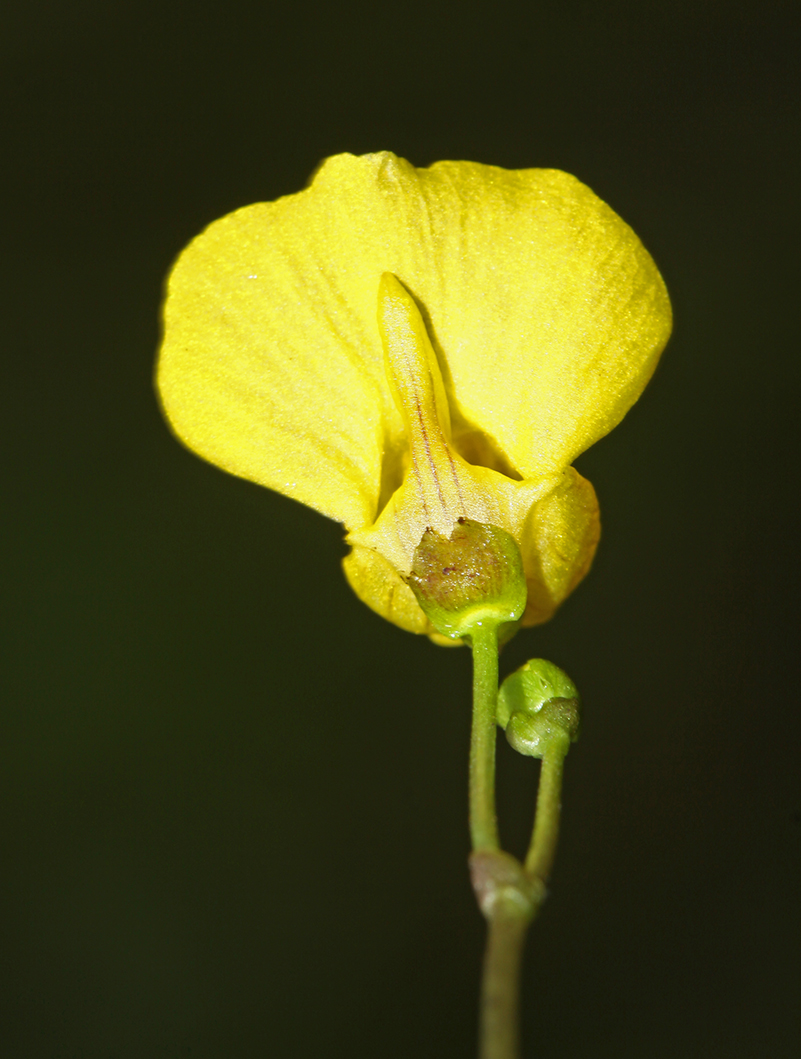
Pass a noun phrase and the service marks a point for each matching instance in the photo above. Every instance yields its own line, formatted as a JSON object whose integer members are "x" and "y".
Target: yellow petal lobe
{"x": 378, "y": 584}
{"x": 558, "y": 543}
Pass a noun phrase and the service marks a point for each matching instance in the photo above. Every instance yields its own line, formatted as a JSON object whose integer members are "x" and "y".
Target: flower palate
{"x": 400, "y": 348}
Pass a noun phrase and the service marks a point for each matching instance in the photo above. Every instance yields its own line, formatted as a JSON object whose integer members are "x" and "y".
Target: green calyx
{"x": 538, "y": 707}
{"x": 474, "y": 578}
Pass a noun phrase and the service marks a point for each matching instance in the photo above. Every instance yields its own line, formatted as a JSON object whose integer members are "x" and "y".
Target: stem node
{"x": 499, "y": 879}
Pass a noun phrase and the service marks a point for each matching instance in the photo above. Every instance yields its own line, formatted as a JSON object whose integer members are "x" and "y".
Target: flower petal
{"x": 266, "y": 370}
{"x": 558, "y": 542}
{"x": 547, "y": 310}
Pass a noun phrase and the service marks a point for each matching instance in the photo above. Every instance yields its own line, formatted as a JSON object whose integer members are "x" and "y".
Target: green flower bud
{"x": 475, "y": 577}
{"x": 538, "y": 706}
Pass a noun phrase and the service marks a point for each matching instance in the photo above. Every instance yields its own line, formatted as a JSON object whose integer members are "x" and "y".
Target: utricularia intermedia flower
{"x": 401, "y": 348}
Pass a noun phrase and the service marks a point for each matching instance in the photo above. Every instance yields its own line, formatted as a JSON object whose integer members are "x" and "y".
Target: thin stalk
{"x": 541, "y": 852}
{"x": 499, "y": 1031}
{"x": 483, "y": 821}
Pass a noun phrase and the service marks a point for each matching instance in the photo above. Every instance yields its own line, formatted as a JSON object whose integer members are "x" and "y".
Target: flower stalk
{"x": 483, "y": 819}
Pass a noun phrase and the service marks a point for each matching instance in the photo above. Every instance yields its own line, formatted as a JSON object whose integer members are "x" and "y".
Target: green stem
{"x": 500, "y": 984}
{"x": 483, "y": 821}
{"x": 541, "y": 852}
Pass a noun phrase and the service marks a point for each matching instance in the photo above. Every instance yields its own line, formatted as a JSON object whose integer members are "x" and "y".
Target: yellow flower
{"x": 399, "y": 348}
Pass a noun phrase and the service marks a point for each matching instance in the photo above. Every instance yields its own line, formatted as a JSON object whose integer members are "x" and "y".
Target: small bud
{"x": 475, "y": 577}
{"x": 538, "y": 706}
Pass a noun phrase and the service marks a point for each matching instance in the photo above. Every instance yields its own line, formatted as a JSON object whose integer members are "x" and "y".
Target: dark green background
{"x": 233, "y": 801}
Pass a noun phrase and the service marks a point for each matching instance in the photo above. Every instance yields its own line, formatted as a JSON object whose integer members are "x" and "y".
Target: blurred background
{"x": 233, "y": 801}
